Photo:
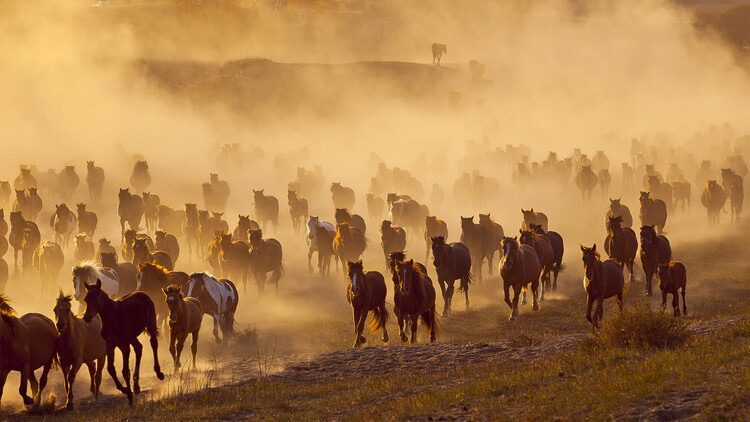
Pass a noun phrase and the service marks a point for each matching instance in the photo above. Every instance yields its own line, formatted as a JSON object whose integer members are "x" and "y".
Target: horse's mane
{"x": 155, "y": 266}
{"x": 201, "y": 275}
{"x": 87, "y": 267}
{"x": 64, "y": 298}
{"x": 173, "y": 288}
{"x": 5, "y": 308}
{"x": 595, "y": 252}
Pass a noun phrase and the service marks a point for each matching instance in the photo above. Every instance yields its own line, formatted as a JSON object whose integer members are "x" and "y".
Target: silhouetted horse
{"x": 191, "y": 228}
{"x": 433, "y": 227}
{"x": 342, "y": 196}
{"x": 24, "y": 180}
{"x": 5, "y": 192}
{"x": 170, "y": 220}
{"x": 127, "y": 273}
{"x": 18, "y": 226}
{"x": 366, "y": 293}
{"x": 33, "y": 204}
{"x": 63, "y": 222}
{"x": 87, "y": 220}
{"x": 627, "y": 176}
{"x": 477, "y": 239}
{"x": 83, "y": 248}
{"x": 142, "y": 253}
{"x": 713, "y": 198}
{"x": 127, "y": 246}
{"x": 496, "y": 233}
{"x": 736, "y": 198}
{"x": 244, "y": 226}
{"x": 413, "y": 298}
{"x": 544, "y": 253}
{"x": 616, "y": 209}
{"x": 673, "y": 279}
{"x": 452, "y": 262}
{"x": 311, "y": 237}
{"x": 324, "y": 240}
{"x": 728, "y": 176}
{"x": 375, "y": 206}
{"x": 531, "y": 216}
{"x": 168, "y": 243}
{"x": 660, "y": 190}
{"x": 682, "y": 194}
{"x": 437, "y": 52}
{"x": 298, "y": 210}
{"x": 343, "y": 215}
{"x": 141, "y": 178}
{"x": 151, "y": 210}
{"x": 621, "y": 245}
{"x": 94, "y": 180}
{"x": 234, "y": 259}
{"x": 48, "y": 261}
{"x": 558, "y": 249}
{"x": 130, "y": 210}
{"x": 409, "y": 214}
{"x": 601, "y": 280}
{"x": 655, "y": 251}
{"x": 266, "y": 256}
{"x": 349, "y": 243}
{"x": 653, "y": 212}
{"x": 152, "y": 278}
{"x": 586, "y": 180}
{"x": 105, "y": 246}
{"x": 266, "y": 209}
{"x": 392, "y": 239}
{"x": 68, "y": 181}
{"x": 519, "y": 268}
{"x": 604, "y": 179}
{"x": 123, "y": 320}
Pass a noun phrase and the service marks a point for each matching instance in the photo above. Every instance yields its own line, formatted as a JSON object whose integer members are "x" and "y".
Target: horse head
{"x": 663, "y": 273}
{"x": 467, "y": 223}
{"x": 174, "y": 296}
{"x": 526, "y": 236}
{"x": 356, "y": 276}
{"x": 95, "y": 300}
{"x": 438, "y": 245}
{"x": 590, "y": 258}
{"x": 510, "y": 251}
{"x": 404, "y": 272}
{"x": 63, "y": 314}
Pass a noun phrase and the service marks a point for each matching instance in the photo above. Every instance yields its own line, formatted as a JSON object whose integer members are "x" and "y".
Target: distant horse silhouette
{"x": 298, "y": 210}
{"x": 519, "y": 268}
{"x": 409, "y": 214}
{"x": 218, "y": 298}
{"x": 29, "y": 244}
{"x": 68, "y": 181}
{"x": 413, "y": 298}
{"x": 601, "y": 280}
{"x": 366, "y": 293}
{"x": 127, "y": 273}
{"x": 266, "y": 256}
{"x": 87, "y": 220}
{"x": 673, "y": 279}
{"x": 151, "y": 204}
{"x": 244, "y": 226}
{"x": 140, "y": 178}
{"x": 660, "y": 190}
{"x": 433, "y": 227}
{"x": 536, "y": 217}
{"x": 437, "y": 52}
{"x": 168, "y": 243}
{"x": 545, "y": 254}
{"x": 604, "y": 179}
{"x": 586, "y": 180}
{"x": 24, "y": 180}
{"x": 311, "y": 237}
{"x": 185, "y": 316}
{"x": 234, "y": 259}
{"x": 713, "y": 198}
{"x": 682, "y": 194}
{"x": 169, "y": 219}
{"x": 728, "y": 176}
{"x": 452, "y": 262}
{"x": 496, "y": 233}
{"x": 342, "y": 196}
{"x": 83, "y": 248}
{"x": 191, "y": 227}
{"x": 18, "y": 227}
{"x": 655, "y": 251}
{"x": 375, "y": 206}
{"x": 477, "y": 239}
{"x": 616, "y": 209}
{"x": 653, "y": 212}
{"x": 621, "y": 245}
{"x": 48, "y": 261}
{"x": 266, "y": 209}
{"x": 215, "y": 193}
{"x": 736, "y": 198}
{"x": 142, "y": 253}
{"x": 94, "y": 180}
{"x": 130, "y": 210}
{"x": 392, "y": 239}
{"x": 558, "y": 249}
{"x": 627, "y": 176}
{"x": 324, "y": 241}
{"x": 33, "y": 204}
{"x": 63, "y": 222}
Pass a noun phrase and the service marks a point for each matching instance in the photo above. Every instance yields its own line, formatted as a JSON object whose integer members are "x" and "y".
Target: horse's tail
{"x": 228, "y": 315}
{"x": 559, "y": 267}
{"x": 431, "y": 322}
{"x": 464, "y": 285}
{"x": 380, "y": 318}
{"x": 151, "y": 328}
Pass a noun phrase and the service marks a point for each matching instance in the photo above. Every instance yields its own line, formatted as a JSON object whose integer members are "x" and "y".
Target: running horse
{"x": 218, "y": 298}
{"x": 519, "y": 268}
{"x": 655, "y": 251}
{"x": 601, "y": 280}
{"x": 63, "y": 222}
{"x": 130, "y": 209}
{"x": 413, "y": 298}
{"x": 366, "y": 293}
{"x": 452, "y": 262}
{"x": 621, "y": 245}
{"x": 151, "y": 279}
{"x": 185, "y": 316}
{"x": 266, "y": 256}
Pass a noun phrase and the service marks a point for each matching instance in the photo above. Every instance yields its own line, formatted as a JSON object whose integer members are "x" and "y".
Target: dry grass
{"x": 642, "y": 326}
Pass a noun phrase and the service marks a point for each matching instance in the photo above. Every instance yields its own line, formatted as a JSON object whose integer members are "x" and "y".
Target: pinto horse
{"x": 152, "y": 278}
{"x": 63, "y": 222}
{"x": 86, "y": 272}
{"x": 218, "y": 299}
{"x": 452, "y": 262}
{"x": 621, "y": 245}
{"x": 655, "y": 251}
{"x": 519, "y": 268}
{"x": 366, "y": 293}
{"x": 130, "y": 209}
{"x": 413, "y": 298}
{"x": 602, "y": 280}
{"x": 123, "y": 320}
{"x": 185, "y": 316}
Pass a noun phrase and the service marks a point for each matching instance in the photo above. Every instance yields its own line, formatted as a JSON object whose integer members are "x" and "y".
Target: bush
{"x": 641, "y": 326}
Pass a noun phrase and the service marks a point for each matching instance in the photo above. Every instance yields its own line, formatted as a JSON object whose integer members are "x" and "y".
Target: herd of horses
{"x": 136, "y": 288}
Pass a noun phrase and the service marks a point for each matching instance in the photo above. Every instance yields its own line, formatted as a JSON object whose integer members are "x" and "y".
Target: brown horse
{"x": 452, "y": 262}
{"x": 87, "y": 220}
{"x": 496, "y": 236}
{"x": 191, "y": 229}
{"x": 266, "y": 209}
{"x": 558, "y": 249}
{"x": 105, "y": 246}
{"x": 169, "y": 219}
{"x": 621, "y": 244}
{"x": 152, "y": 278}
{"x": 127, "y": 273}
{"x": 375, "y": 206}
{"x": 413, "y": 298}
{"x": 123, "y": 320}
{"x": 343, "y": 197}
{"x": 48, "y": 260}
{"x": 653, "y": 211}
{"x": 324, "y": 241}
{"x": 343, "y": 215}
{"x": 20, "y": 241}
{"x": 682, "y": 193}
{"x": 604, "y": 179}
{"x": 544, "y": 253}
{"x": 140, "y": 179}
{"x": 519, "y": 268}
{"x": 25, "y": 179}
{"x": 349, "y": 243}
{"x": 602, "y": 280}
{"x": 477, "y": 239}
{"x": 234, "y": 259}
{"x": 713, "y": 198}
{"x": 660, "y": 190}
{"x": 130, "y": 209}
{"x": 151, "y": 204}
{"x": 586, "y": 181}
{"x": 94, "y": 180}
{"x": 33, "y": 204}
{"x": 655, "y": 251}
{"x": 244, "y": 226}
{"x": 536, "y": 217}
{"x": 617, "y": 209}
{"x": 433, "y": 227}
{"x": 141, "y": 254}
{"x": 214, "y": 250}
{"x": 63, "y": 222}
{"x": 298, "y": 210}
{"x": 26, "y": 344}
{"x": 437, "y": 52}
{"x": 185, "y": 316}
{"x": 673, "y": 279}
{"x": 79, "y": 343}
{"x": 392, "y": 239}
{"x": 266, "y": 256}
{"x": 736, "y": 198}
{"x": 366, "y": 293}
{"x": 168, "y": 243}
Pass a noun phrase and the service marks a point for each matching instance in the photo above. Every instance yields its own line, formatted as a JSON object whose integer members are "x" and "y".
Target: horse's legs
{"x": 465, "y": 287}
{"x": 357, "y": 313}
{"x": 125, "y": 350}
{"x": 684, "y": 305}
{"x": 309, "y": 258}
{"x": 619, "y": 301}
{"x": 441, "y": 282}
{"x": 138, "y": 348}
{"x": 676, "y": 302}
{"x": 65, "y": 368}
{"x": 599, "y": 313}
{"x": 15, "y": 260}
{"x": 490, "y": 258}
{"x": 506, "y": 287}
{"x": 535, "y": 285}
{"x": 180, "y": 346}
{"x": 400, "y": 319}
{"x": 360, "y": 327}
{"x": 382, "y": 314}
{"x": 172, "y": 350}
{"x": 448, "y": 297}
{"x": 3, "y": 378}
{"x": 216, "y": 328}
{"x": 70, "y": 379}
{"x": 414, "y": 325}
{"x": 589, "y": 305}
{"x": 91, "y": 365}
{"x": 25, "y": 370}
{"x": 194, "y": 345}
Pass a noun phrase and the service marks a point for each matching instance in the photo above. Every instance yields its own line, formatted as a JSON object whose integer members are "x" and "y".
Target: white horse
{"x": 218, "y": 298}
{"x": 87, "y": 272}
{"x": 311, "y": 237}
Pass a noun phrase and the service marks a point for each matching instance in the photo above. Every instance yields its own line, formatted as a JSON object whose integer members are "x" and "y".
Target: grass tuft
{"x": 640, "y": 326}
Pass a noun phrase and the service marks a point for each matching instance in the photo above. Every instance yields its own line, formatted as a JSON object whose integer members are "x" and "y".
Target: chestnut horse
{"x": 673, "y": 278}
{"x": 621, "y": 245}
{"x": 87, "y": 220}
{"x": 18, "y": 226}
{"x": 536, "y": 217}
{"x": 477, "y": 239}
{"x": 452, "y": 262}
{"x": 413, "y": 298}
{"x": 392, "y": 239}
{"x": 349, "y": 243}
{"x": 141, "y": 254}
{"x": 601, "y": 280}
{"x": 266, "y": 256}
{"x": 544, "y": 253}
{"x": 366, "y": 293}
{"x": 655, "y": 251}
{"x": 151, "y": 279}
{"x": 519, "y": 268}
{"x": 185, "y": 316}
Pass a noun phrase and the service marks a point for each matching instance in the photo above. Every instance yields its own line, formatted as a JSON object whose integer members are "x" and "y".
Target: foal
{"x": 673, "y": 278}
{"x": 185, "y": 316}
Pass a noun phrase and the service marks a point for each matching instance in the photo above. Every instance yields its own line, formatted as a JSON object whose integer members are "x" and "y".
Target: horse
{"x": 17, "y": 235}
{"x": 191, "y": 229}
{"x": 24, "y": 180}
{"x": 26, "y": 344}
{"x": 728, "y": 176}
{"x": 266, "y": 256}
{"x": 392, "y": 238}
{"x": 617, "y": 209}
{"x": 298, "y": 210}
{"x": 519, "y": 268}
{"x": 218, "y": 299}
{"x": 141, "y": 254}
{"x": 214, "y": 250}
{"x": 349, "y": 243}
{"x": 496, "y": 233}
{"x": 545, "y": 254}
{"x": 169, "y": 219}
{"x": 604, "y": 179}
{"x": 94, "y": 180}
{"x": 185, "y": 316}
{"x": 48, "y": 261}
{"x": 653, "y": 211}
{"x": 681, "y": 190}
{"x": 79, "y": 343}
{"x": 33, "y": 204}
{"x": 140, "y": 179}
{"x": 127, "y": 273}
{"x": 660, "y": 190}
{"x": 88, "y": 271}
{"x": 63, "y": 222}
{"x": 736, "y": 197}
{"x": 601, "y": 280}
{"x": 68, "y": 181}
{"x": 234, "y": 259}
{"x": 586, "y": 180}
{"x": 433, "y": 227}
{"x": 477, "y": 239}
{"x": 105, "y": 246}
{"x": 437, "y": 52}
{"x": 375, "y": 206}
{"x": 408, "y": 213}
{"x": 20, "y": 204}
{"x": 151, "y": 278}
{"x": 627, "y": 176}
{"x": 366, "y": 293}
{"x": 713, "y": 198}
{"x": 123, "y": 320}
{"x": 655, "y": 251}
{"x": 342, "y": 196}
{"x": 151, "y": 204}
{"x": 558, "y": 249}
{"x": 343, "y": 215}
{"x": 244, "y": 226}
{"x": 536, "y": 217}
{"x": 311, "y": 237}
{"x": 452, "y": 262}
{"x": 673, "y": 279}
{"x": 266, "y": 209}
{"x": 130, "y": 209}
{"x": 87, "y": 220}
{"x": 621, "y": 245}
{"x": 168, "y": 243}
{"x": 413, "y": 298}
{"x": 29, "y": 244}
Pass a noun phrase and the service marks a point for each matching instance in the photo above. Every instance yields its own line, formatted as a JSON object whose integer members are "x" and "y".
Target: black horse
{"x": 452, "y": 262}
{"x": 655, "y": 251}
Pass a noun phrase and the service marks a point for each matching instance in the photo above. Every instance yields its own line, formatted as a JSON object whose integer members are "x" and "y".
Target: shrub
{"x": 641, "y": 326}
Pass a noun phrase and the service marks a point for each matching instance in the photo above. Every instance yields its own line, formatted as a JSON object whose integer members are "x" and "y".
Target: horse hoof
{"x": 404, "y": 339}
{"x": 385, "y": 339}
{"x": 69, "y": 405}
{"x": 362, "y": 340}
{"x": 512, "y": 318}
{"x": 356, "y": 345}
{"x": 28, "y": 401}
{"x": 137, "y": 389}
{"x": 535, "y": 307}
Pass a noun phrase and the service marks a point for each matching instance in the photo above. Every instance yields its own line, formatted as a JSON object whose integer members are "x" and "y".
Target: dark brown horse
{"x": 130, "y": 209}
{"x": 653, "y": 211}
{"x": 141, "y": 254}
{"x": 185, "y": 316}
{"x": 477, "y": 239}
{"x": 366, "y": 293}
{"x": 234, "y": 259}
{"x": 266, "y": 209}
{"x": 343, "y": 215}
{"x": 342, "y": 196}
{"x": 48, "y": 261}
{"x": 536, "y": 217}
{"x": 392, "y": 239}
{"x": 375, "y": 206}
{"x": 127, "y": 273}
{"x": 18, "y": 226}
{"x": 558, "y": 249}
{"x": 151, "y": 204}
{"x": 713, "y": 198}
{"x": 191, "y": 229}
{"x": 152, "y": 278}
{"x": 324, "y": 241}
{"x": 621, "y": 245}
{"x": 168, "y": 243}
{"x": 413, "y": 298}
{"x": 26, "y": 344}
{"x": 673, "y": 279}
{"x": 94, "y": 180}
{"x": 349, "y": 243}
{"x": 496, "y": 233}
{"x": 244, "y": 226}
{"x": 736, "y": 198}
{"x": 655, "y": 251}
{"x": 33, "y": 204}
{"x": 87, "y": 220}
{"x": 123, "y": 320}
{"x": 544, "y": 253}
{"x": 298, "y": 210}
{"x": 140, "y": 179}
{"x": 519, "y": 268}
{"x": 452, "y": 262}
{"x": 602, "y": 280}
{"x": 266, "y": 256}
{"x": 433, "y": 227}
{"x": 83, "y": 248}
{"x": 617, "y": 209}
